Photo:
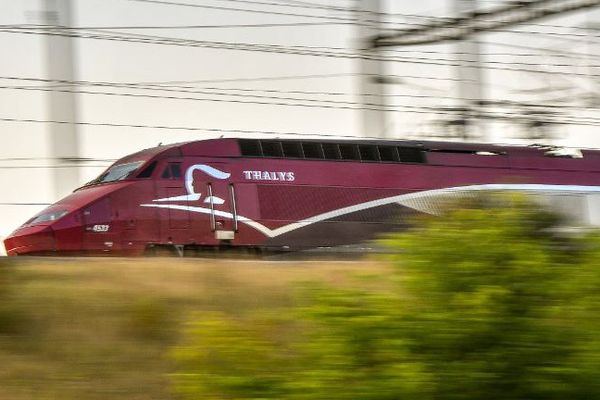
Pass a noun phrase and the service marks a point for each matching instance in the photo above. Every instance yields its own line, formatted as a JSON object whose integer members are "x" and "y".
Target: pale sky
{"x": 418, "y": 83}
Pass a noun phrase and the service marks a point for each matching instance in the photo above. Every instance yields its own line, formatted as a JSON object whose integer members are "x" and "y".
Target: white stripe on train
{"x": 408, "y": 200}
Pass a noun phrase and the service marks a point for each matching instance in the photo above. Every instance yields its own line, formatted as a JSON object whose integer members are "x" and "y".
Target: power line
{"x": 307, "y": 5}
{"x": 133, "y": 27}
{"x": 223, "y": 91}
{"x": 255, "y": 79}
{"x": 185, "y": 89}
{"x": 158, "y": 40}
{"x": 272, "y": 25}
{"x": 413, "y": 109}
{"x": 79, "y": 159}
{"x": 293, "y": 77}
{"x": 294, "y": 50}
{"x": 220, "y": 8}
{"x": 277, "y": 101}
{"x": 168, "y": 85}
{"x": 44, "y": 30}
{"x": 523, "y": 47}
{"x": 183, "y": 128}
{"x": 51, "y": 166}
{"x": 315, "y": 5}
{"x": 269, "y": 48}
{"x": 292, "y": 5}
{"x": 25, "y": 204}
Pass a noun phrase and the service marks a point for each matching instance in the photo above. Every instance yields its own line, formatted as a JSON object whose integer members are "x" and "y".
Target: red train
{"x": 292, "y": 194}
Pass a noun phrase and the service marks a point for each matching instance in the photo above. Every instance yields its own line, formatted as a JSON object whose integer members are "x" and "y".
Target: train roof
{"x": 233, "y": 146}
{"x": 366, "y": 150}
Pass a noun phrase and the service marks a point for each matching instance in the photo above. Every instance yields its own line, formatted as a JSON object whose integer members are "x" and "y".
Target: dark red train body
{"x": 292, "y": 194}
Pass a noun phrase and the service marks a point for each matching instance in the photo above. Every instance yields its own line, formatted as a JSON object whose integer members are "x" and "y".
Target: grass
{"x": 102, "y": 328}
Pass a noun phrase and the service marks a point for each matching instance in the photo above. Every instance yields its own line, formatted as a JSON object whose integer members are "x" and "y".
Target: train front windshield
{"x": 117, "y": 172}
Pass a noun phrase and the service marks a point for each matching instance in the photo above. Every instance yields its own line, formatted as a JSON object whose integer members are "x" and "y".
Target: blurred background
{"x": 83, "y": 83}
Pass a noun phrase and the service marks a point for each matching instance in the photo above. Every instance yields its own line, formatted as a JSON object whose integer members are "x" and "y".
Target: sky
{"x": 556, "y": 60}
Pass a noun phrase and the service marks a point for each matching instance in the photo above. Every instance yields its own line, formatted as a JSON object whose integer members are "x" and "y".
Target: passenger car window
{"x": 172, "y": 171}
{"x": 368, "y": 152}
{"x": 331, "y": 151}
{"x": 389, "y": 154}
{"x": 147, "y": 172}
{"x": 250, "y": 147}
{"x": 312, "y": 150}
{"x": 349, "y": 152}
{"x": 411, "y": 155}
{"x": 292, "y": 150}
{"x": 271, "y": 148}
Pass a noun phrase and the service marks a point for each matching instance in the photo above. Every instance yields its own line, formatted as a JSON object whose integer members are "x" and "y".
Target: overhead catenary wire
{"x": 54, "y": 30}
{"x": 276, "y": 101}
{"x": 221, "y": 131}
{"x": 328, "y": 7}
{"x": 244, "y": 10}
{"x": 287, "y": 77}
{"x": 312, "y": 6}
{"x": 300, "y": 51}
{"x": 294, "y": 50}
{"x": 78, "y": 159}
{"x": 301, "y": 4}
{"x": 224, "y": 92}
{"x": 25, "y": 204}
{"x": 413, "y": 60}
{"x": 51, "y": 166}
{"x": 414, "y": 109}
{"x": 177, "y": 27}
{"x": 97, "y": 33}
{"x": 387, "y": 24}
{"x": 289, "y": 102}
{"x": 567, "y": 35}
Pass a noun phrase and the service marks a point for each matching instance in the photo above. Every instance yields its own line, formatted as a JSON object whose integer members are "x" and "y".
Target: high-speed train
{"x": 266, "y": 194}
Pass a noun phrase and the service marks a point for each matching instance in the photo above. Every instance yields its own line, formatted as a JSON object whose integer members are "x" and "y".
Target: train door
{"x": 222, "y": 200}
{"x": 175, "y": 219}
{"x": 215, "y": 197}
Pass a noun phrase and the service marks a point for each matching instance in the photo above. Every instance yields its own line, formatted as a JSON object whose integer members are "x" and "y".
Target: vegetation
{"x": 488, "y": 301}
{"x": 103, "y": 329}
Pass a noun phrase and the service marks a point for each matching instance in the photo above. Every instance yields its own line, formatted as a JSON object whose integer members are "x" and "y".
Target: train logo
{"x": 193, "y": 193}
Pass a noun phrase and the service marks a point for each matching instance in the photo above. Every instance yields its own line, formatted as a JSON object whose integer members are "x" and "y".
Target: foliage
{"x": 487, "y": 301}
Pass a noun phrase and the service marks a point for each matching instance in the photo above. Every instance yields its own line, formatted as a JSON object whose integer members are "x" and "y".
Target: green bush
{"x": 487, "y": 301}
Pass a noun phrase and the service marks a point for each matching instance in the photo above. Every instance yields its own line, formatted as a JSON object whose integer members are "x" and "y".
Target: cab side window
{"x": 172, "y": 171}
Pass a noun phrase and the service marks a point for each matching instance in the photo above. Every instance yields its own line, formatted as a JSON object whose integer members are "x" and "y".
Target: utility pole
{"x": 469, "y": 75}
{"x": 464, "y": 27}
{"x": 372, "y": 76}
{"x": 62, "y": 106}
{"x": 501, "y": 17}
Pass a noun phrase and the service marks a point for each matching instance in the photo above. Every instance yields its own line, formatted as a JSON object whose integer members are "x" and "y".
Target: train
{"x": 268, "y": 194}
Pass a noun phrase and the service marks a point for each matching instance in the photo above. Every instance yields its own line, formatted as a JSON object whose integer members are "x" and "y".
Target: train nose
{"x": 33, "y": 240}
